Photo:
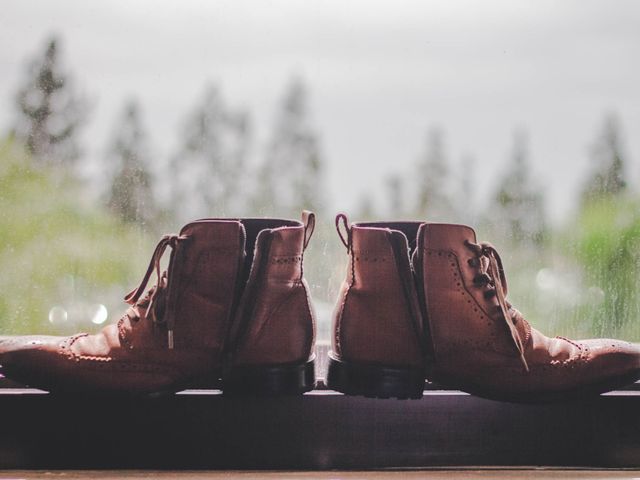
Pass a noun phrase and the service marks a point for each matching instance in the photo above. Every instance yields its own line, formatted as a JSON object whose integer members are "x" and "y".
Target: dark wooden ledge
{"x": 320, "y": 430}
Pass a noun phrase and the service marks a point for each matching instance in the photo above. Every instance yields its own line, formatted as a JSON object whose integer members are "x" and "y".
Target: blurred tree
{"x": 290, "y": 179}
{"x": 396, "y": 205}
{"x": 50, "y": 113}
{"x": 518, "y": 202}
{"x": 608, "y": 164}
{"x": 432, "y": 173}
{"x": 130, "y": 196}
{"x": 366, "y": 208}
{"x": 466, "y": 206}
{"x": 207, "y": 171}
{"x": 607, "y": 237}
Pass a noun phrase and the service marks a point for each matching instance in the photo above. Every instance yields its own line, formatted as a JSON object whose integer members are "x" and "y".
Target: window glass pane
{"x": 122, "y": 122}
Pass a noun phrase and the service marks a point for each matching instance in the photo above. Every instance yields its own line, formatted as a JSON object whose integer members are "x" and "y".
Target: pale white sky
{"x": 379, "y": 73}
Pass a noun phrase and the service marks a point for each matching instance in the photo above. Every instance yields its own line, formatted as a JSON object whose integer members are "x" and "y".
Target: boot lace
{"x": 491, "y": 276}
{"x": 154, "y": 294}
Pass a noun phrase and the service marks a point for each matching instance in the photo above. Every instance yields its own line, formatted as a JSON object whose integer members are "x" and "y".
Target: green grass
{"x": 58, "y": 249}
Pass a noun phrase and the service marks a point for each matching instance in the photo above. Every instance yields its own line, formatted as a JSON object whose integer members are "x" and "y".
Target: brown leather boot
{"x": 272, "y": 339}
{"x": 479, "y": 343}
{"x": 176, "y": 336}
{"x": 377, "y": 348}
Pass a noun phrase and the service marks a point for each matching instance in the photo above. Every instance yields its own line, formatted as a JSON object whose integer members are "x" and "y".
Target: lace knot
{"x": 491, "y": 275}
{"x": 133, "y": 298}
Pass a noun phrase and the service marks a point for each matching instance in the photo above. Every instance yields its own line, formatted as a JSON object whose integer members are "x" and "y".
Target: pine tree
{"x": 518, "y": 203}
{"x": 466, "y": 206}
{"x": 207, "y": 171}
{"x": 290, "y": 179}
{"x": 366, "y": 208}
{"x": 433, "y": 173}
{"x": 130, "y": 196}
{"x": 396, "y": 204}
{"x": 50, "y": 113}
{"x": 608, "y": 163}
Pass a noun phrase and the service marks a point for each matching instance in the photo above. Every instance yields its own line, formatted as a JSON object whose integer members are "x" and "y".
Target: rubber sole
{"x": 253, "y": 380}
{"x": 584, "y": 392}
{"x": 374, "y": 380}
{"x": 70, "y": 388}
{"x": 270, "y": 380}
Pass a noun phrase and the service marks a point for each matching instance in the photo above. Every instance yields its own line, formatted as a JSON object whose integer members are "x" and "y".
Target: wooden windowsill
{"x": 203, "y": 429}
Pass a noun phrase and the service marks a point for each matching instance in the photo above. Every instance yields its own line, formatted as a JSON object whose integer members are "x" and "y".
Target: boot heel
{"x": 270, "y": 380}
{"x": 377, "y": 381}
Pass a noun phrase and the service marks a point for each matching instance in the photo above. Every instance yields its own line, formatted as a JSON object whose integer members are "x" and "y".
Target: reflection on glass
{"x": 100, "y": 314}
{"x": 58, "y": 315}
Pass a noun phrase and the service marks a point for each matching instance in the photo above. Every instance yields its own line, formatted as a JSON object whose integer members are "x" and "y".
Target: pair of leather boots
{"x": 420, "y": 300}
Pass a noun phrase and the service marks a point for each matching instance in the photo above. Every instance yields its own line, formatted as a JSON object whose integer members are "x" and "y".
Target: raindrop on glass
{"x": 57, "y": 315}
{"x": 546, "y": 279}
{"x": 99, "y": 315}
{"x": 596, "y": 295}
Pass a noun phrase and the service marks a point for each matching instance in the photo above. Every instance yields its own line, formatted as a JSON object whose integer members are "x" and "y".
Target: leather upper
{"x": 377, "y": 318}
{"x": 275, "y": 322}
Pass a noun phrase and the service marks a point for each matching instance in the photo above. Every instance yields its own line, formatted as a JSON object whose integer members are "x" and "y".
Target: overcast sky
{"x": 379, "y": 73}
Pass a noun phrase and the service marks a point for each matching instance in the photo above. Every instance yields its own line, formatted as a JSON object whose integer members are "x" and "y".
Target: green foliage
{"x": 608, "y": 248}
{"x": 56, "y": 252}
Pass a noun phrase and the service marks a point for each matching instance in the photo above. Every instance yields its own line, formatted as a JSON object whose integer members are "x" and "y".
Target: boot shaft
{"x": 377, "y": 318}
{"x": 204, "y": 274}
{"x": 275, "y": 321}
{"x": 233, "y": 287}
{"x": 189, "y": 308}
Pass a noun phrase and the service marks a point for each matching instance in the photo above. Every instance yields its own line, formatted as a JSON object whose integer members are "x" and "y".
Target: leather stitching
{"x": 583, "y": 354}
{"x": 285, "y": 259}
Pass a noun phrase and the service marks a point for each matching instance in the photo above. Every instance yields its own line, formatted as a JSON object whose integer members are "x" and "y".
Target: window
{"x": 123, "y": 122}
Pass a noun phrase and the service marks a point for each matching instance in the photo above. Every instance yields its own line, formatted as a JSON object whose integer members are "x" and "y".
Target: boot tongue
{"x": 408, "y": 228}
{"x": 445, "y": 236}
{"x": 440, "y": 236}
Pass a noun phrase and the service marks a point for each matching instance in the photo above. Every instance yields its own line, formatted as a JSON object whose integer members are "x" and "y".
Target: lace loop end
{"x": 343, "y": 221}
{"x": 309, "y": 223}
{"x": 129, "y": 297}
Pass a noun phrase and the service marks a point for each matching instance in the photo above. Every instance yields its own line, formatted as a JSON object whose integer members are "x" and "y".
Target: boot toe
{"x": 10, "y": 345}
{"x": 22, "y": 357}
{"x": 613, "y": 359}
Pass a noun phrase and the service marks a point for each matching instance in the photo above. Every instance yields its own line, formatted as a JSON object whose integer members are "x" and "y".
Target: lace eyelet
{"x": 489, "y": 294}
